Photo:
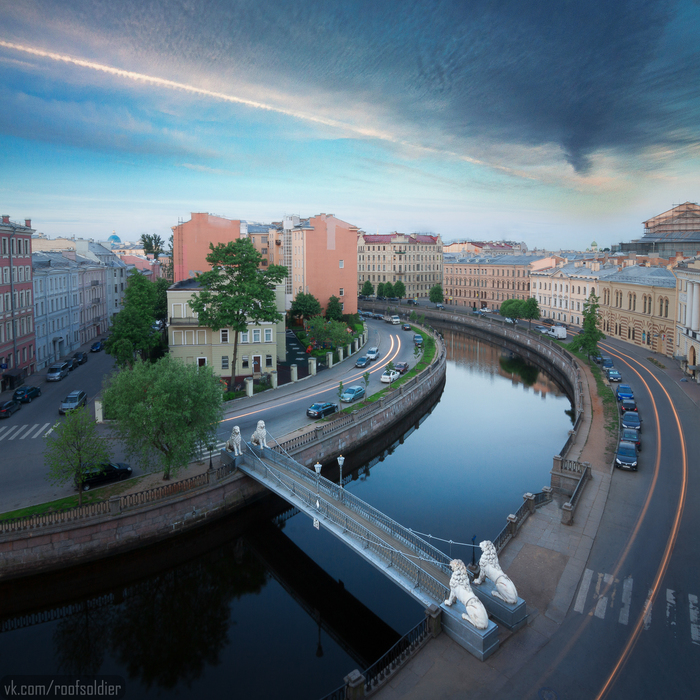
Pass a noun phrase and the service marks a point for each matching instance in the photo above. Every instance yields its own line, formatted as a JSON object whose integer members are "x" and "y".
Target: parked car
{"x": 401, "y": 367}
{"x": 57, "y": 372}
{"x": 418, "y": 339}
{"x": 406, "y": 327}
{"x": 439, "y": 306}
{"x": 373, "y": 353}
{"x": 74, "y": 400}
{"x": 82, "y": 357}
{"x": 389, "y": 376}
{"x": 557, "y": 332}
{"x": 104, "y": 473}
{"x": 597, "y": 358}
{"x": 508, "y": 319}
{"x": 319, "y": 410}
{"x": 97, "y": 346}
{"x": 606, "y": 362}
{"x": 72, "y": 363}
{"x": 542, "y": 329}
{"x": 628, "y": 405}
{"x": 352, "y": 393}
{"x": 394, "y": 300}
{"x": 624, "y": 391}
{"x": 631, "y": 435}
{"x": 613, "y": 375}
{"x": 631, "y": 419}
{"x": 362, "y": 361}
{"x": 381, "y": 298}
{"x": 379, "y": 317}
{"x": 25, "y": 394}
{"x": 626, "y": 457}
{"x": 413, "y": 302}
{"x": 9, "y": 407}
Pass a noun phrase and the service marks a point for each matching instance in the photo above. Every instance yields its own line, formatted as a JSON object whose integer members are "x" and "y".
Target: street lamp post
{"x": 341, "y": 461}
{"x": 317, "y": 467}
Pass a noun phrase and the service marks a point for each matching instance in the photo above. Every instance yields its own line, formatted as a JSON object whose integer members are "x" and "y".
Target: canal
{"x": 261, "y": 604}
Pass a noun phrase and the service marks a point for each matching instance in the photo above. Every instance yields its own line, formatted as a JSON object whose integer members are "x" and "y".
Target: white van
{"x": 557, "y": 332}
{"x": 395, "y": 320}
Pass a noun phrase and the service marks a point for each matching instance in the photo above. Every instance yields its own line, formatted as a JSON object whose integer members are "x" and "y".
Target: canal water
{"x": 263, "y": 605}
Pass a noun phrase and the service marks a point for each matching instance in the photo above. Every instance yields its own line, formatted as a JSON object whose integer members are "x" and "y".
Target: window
{"x": 268, "y": 335}
{"x": 224, "y": 362}
{"x": 341, "y": 291}
{"x": 244, "y": 362}
{"x": 256, "y": 335}
{"x": 268, "y": 360}
{"x": 341, "y": 264}
{"x": 224, "y": 337}
{"x": 244, "y": 337}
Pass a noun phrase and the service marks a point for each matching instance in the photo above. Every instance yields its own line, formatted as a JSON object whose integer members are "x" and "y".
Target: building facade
{"x": 687, "y": 350}
{"x": 413, "y": 258}
{"x": 259, "y": 347}
{"x": 17, "y": 346}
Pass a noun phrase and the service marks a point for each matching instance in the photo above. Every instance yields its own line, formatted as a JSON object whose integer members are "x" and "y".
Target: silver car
{"x": 74, "y": 400}
{"x": 57, "y": 372}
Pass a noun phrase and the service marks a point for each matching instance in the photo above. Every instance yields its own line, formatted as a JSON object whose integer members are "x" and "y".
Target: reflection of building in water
{"x": 480, "y": 356}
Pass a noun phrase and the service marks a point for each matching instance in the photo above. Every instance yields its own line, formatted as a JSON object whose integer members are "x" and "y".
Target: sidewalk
{"x": 545, "y": 560}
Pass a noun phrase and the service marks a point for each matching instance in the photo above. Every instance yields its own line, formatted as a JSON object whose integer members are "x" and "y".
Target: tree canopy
{"x": 334, "y": 311}
{"x": 587, "y": 340}
{"x": 72, "y": 447}
{"x": 164, "y": 411}
{"x": 399, "y": 289}
{"x": 152, "y": 244}
{"x": 530, "y": 311}
{"x": 436, "y": 295}
{"x": 389, "y": 290}
{"x": 237, "y": 291}
{"x": 305, "y": 306}
{"x": 323, "y": 331}
{"x": 512, "y": 308}
{"x": 367, "y": 289}
{"x": 380, "y": 290}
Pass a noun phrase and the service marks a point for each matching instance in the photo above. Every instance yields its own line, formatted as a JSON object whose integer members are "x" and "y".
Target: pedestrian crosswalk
{"x": 22, "y": 432}
{"x": 603, "y": 596}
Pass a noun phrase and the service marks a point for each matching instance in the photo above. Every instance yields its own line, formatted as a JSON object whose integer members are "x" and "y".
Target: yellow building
{"x": 259, "y": 347}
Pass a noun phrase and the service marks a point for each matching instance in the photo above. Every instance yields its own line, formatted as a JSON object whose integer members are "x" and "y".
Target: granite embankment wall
{"x": 55, "y": 540}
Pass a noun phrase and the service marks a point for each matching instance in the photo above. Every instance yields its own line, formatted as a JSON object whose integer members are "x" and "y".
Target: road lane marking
{"x": 19, "y": 431}
{"x": 9, "y": 432}
{"x": 601, "y": 607}
{"x": 3, "y": 429}
{"x": 647, "y": 609}
{"x": 583, "y": 591}
{"x": 41, "y": 430}
{"x": 694, "y": 619}
{"x": 671, "y": 609}
{"x": 36, "y": 425}
{"x": 50, "y": 430}
{"x": 624, "y": 617}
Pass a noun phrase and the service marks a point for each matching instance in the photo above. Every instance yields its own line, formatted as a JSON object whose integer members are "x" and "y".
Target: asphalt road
{"x": 633, "y": 630}
{"x": 22, "y": 436}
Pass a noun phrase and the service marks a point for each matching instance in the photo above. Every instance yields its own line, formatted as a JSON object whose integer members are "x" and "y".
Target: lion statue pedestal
{"x": 234, "y": 442}
{"x": 259, "y": 437}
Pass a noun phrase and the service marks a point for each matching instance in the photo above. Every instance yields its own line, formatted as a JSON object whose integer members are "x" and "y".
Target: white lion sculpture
{"x": 461, "y": 590}
{"x": 491, "y": 569}
{"x": 259, "y": 437}
{"x": 234, "y": 442}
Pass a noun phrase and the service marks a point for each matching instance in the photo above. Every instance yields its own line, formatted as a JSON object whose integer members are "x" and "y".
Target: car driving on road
{"x": 373, "y": 353}
{"x": 74, "y": 400}
{"x": 319, "y": 410}
{"x": 362, "y": 361}
{"x": 7, "y": 408}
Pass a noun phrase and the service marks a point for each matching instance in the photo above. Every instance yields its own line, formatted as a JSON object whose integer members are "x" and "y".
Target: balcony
{"x": 186, "y": 321}
{"x": 95, "y": 300}
{"x": 94, "y": 283}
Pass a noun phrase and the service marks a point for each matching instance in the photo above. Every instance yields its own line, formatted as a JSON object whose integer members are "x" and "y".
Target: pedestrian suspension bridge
{"x": 420, "y": 569}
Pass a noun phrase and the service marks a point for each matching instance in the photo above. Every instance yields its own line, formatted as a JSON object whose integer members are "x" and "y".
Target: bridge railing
{"x": 399, "y": 561}
{"x": 374, "y": 516}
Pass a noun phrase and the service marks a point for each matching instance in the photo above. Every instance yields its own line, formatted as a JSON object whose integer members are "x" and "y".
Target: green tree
{"x": 587, "y": 340}
{"x": 169, "y": 268}
{"x": 341, "y": 389}
{"x": 389, "y": 290}
{"x": 436, "y": 295}
{"x": 72, "y": 448}
{"x": 413, "y": 317}
{"x": 399, "y": 289}
{"x": 164, "y": 411}
{"x": 367, "y": 289}
{"x": 338, "y": 333}
{"x": 334, "y": 311}
{"x": 160, "y": 310}
{"x": 531, "y": 311}
{"x": 237, "y": 291}
{"x": 152, "y": 244}
{"x": 305, "y": 306}
{"x": 318, "y": 330}
{"x": 366, "y": 377}
{"x": 380, "y": 290}
{"x": 512, "y": 308}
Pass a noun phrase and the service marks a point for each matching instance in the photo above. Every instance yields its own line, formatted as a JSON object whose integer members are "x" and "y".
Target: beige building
{"x": 687, "y": 350}
{"x": 415, "y": 259}
{"x": 638, "y": 304}
{"x": 259, "y": 347}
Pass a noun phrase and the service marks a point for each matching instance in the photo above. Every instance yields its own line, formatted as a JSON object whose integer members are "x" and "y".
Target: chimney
{"x": 5, "y": 218}
{"x": 28, "y": 223}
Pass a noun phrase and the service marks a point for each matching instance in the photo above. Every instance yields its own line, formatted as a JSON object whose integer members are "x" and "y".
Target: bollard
{"x": 273, "y": 378}
{"x": 248, "y": 386}
{"x": 312, "y": 366}
{"x": 354, "y": 685}
{"x": 329, "y": 359}
{"x": 434, "y": 615}
{"x": 340, "y": 353}
{"x": 512, "y": 525}
{"x": 295, "y": 376}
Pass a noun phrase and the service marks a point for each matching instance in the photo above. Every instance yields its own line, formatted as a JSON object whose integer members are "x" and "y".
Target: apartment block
{"x": 687, "y": 350}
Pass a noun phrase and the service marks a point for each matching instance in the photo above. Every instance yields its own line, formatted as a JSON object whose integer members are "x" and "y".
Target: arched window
{"x": 666, "y": 309}
{"x": 661, "y": 307}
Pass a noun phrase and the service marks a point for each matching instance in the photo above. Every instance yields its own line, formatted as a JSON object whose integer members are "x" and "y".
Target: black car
{"x": 98, "y": 475}
{"x": 628, "y": 405}
{"x": 631, "y": 419}
{"x": 9, "y": 407}
{"x": 381, "y": 298}
{"x": 631, "y": 435}
{"x": 626, "y": 457}
{"x": 96, "y": 346}
{"x": 401, "y": 367}
{"x": 406, "y": 327}
{"x": 25, "y": 394}
{"x": 361, "y": 362}
{"x": 73, "y": 363}
{"x": 607, "y": 362}
{"x": 413, "y": 302}
{"x": 395, "y": 300}
{"x": 82, "y": 357}
{"x": 319, "y": 410}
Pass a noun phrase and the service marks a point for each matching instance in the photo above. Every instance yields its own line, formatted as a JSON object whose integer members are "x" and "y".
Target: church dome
{"x": 114, "y": 240}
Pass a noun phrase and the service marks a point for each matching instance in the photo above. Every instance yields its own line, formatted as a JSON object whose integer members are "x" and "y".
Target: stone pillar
{"x": 356, "y": 345}
{"x": 99, "y": 416}
{"x": 567, "y": 514}
{"x": 294, "y": 373}
{"x": 512, "y": 525}
{"x": 273, "y": 378}
{"x": 340, "y": 353}
{"x": 529, "y": 498}
{"x": 556, "y": 463}
{"x": 115, "y": 505}
{"x": 695, "y": 319}
{"x": 312, "y": 366}
{"x": 348, "y": 349}
{"x": 329, "y": 359}
{"x": 354, "y": 685}
{"x": 548, "y": 490}
{"x": 248, "y": 386}
{"x": 434, "y": 615}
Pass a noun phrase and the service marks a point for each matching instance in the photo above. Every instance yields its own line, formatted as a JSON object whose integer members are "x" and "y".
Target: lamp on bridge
{"x": 341, "y": 461}
{"x": 317, "y": 467}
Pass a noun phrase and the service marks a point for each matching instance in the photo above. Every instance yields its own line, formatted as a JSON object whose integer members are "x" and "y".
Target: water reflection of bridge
{"x": 409, "y": 561}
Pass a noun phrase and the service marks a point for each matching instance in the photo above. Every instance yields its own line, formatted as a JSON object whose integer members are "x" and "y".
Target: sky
{"x": 555, "y": 123}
